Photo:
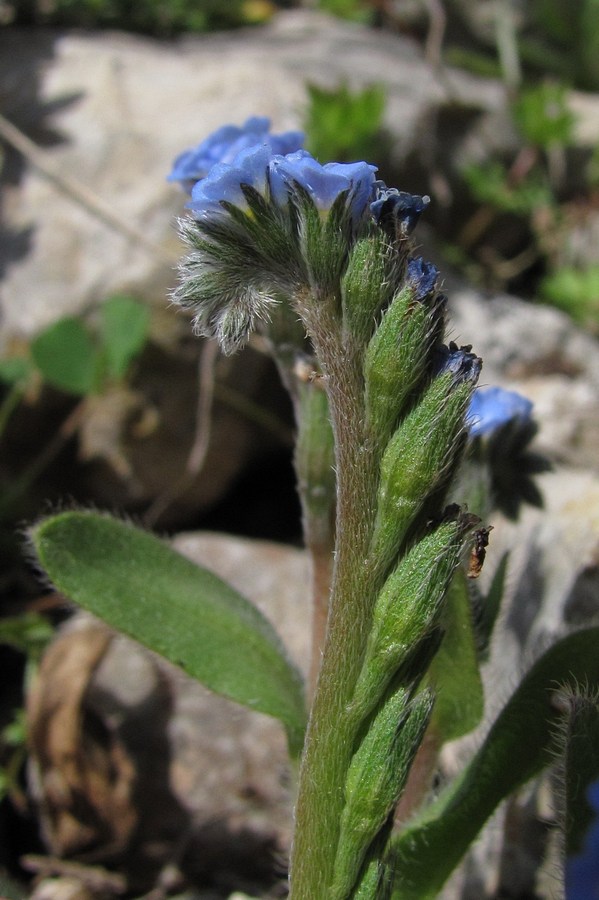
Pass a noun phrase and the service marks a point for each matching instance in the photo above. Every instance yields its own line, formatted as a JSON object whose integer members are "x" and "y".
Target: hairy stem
{"x": 329, "y": 741}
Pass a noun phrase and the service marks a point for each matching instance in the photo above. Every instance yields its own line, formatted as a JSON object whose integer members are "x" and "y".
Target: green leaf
{"x": 29, "y": 633}
{"x": 574, "y": 290}
{"x": 125, "y": 324}
{"x": 454, "y": 671}
{"x": 486, "y": 608}
{"x": 520, "y": 743}
{"x": 66, "y": 356}
{"x": 142, "y": 587}
{"x": 542, "y": 115}
{"x": 14, "y": 369}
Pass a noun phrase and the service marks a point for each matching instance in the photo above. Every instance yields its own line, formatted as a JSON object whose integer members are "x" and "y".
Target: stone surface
{"x": 114, "y": 110}
{"x": 537, "y": 351}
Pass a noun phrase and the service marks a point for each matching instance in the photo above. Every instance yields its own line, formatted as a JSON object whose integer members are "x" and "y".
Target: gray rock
{"x": 120, "y": 108}
{"x": 539, "y": 352}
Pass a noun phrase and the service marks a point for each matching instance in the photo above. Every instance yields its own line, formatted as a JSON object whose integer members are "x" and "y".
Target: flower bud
{"x": 408, "y": 607}
{"x": 367, "y": 285}
{"x": 398, "y": 358}
{"x": 376, "y": 777}
{"x": 422, "y": 454}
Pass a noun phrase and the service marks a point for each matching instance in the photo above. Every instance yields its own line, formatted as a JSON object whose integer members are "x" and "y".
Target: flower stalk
{"x": 380, "y": 404}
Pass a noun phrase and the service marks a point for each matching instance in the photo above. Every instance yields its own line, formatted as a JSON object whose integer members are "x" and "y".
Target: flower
{"x": 492, "y": 407}
{"x": 460, "y": 362}
{"x": 223, "y": 182}
{"x": 422, "y": 276}
{"x": 257, "y": 167}
{"x": 325, "y": 183}
{"x": 397, "y": 208}
{"x": 224, "y": 144}
{"x": 582, "y": 870}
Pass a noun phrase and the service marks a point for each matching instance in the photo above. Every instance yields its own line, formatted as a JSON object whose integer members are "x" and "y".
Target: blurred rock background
{"x": 189, "y": 442}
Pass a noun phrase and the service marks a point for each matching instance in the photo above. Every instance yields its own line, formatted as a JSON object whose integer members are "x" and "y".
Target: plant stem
{"x": 321, "y": 559}
{"x": 330, "y": 736}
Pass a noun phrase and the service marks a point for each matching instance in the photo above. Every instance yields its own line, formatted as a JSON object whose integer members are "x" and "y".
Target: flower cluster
{"x": 269, "y": 221}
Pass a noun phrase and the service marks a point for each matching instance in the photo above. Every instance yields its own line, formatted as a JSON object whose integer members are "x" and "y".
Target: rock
{"x": 113, "y": 110}
{"x": 539, "y": 352}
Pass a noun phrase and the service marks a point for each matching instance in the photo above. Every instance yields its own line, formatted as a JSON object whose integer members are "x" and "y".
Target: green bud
{"x": 367, "y": 285}
{"x": 398, "y": 358}
{"x": 408, "y": 607}
{"x": 421, "y": 458}
{"x": 376, "y": 777}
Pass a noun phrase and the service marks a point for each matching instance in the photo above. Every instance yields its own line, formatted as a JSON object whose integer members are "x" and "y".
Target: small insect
{"x": 479, "y": 551}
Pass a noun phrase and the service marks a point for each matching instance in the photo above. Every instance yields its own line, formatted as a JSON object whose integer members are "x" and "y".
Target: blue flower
{"x": 325, "y": 183}
{"x": 492, "y": 407}
{"x": 582, "y": 870}
{"x": 423, "y": 276}
{"x": 224, "y": 182}
{"x": 224, "y": 144}
{"x": 397, "y": 208}
{"x": 257, "y": 167}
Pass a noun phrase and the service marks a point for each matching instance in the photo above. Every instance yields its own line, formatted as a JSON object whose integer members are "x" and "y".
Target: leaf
{"x": 519, "y": 744}
{"x": 125, "y": 324}
{"x": 454, "y": 670}
{"x": 66, "y": 356}
{"x": 486, "y": 608}
{"x": 142, "y": 587}
{"x": 14, "y": 369}
{"x": 542, "y": 115}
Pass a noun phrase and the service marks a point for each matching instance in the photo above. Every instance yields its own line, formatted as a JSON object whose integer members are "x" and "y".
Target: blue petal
{"x": 423, "y": 276}
{"x": 225, "y": 144}
{"x": 224, "y": 181}
{"x": 324, "y": 183}
{"x": 492, "y": 407}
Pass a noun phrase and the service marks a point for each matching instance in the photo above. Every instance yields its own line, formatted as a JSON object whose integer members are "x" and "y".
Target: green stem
{"x": 330, "y": 736}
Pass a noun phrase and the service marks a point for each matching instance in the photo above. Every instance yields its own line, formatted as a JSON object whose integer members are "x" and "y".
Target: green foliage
{"x": 67, "y": 358}
{"x": 30, "y": 634}
{"x": 124, "y": 330}
{"x": 343, "y": 125}
{"x": 375, "y": 779}
{"x": 563, "y": 39}
{"x": 576, "y": 291}
{"x": 521, "y": 741}
{"x": 158, "y": 17}
{"x": 454, "y": 671}
{"x": 143, "y": 588}
{"x": 14, "y": 369}
{"x": 74, "y": 358}
{"x": 542, "y": 115}
{"x": 490, "y": 183}
{"x": 354, "y": 10}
